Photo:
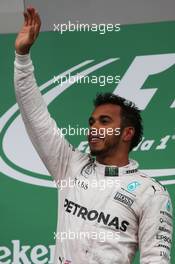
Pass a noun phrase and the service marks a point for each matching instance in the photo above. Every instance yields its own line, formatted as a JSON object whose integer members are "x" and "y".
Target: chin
{"x": 96, "y": 152}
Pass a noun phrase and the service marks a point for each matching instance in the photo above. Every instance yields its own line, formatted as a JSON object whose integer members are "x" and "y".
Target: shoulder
{"x": 155, "y": 195}
{"x": 151, "y": 185}
{"x": 151, "y": 192}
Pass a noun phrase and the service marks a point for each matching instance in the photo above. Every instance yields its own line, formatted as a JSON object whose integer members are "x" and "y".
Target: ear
{"x": 128, "y": 133}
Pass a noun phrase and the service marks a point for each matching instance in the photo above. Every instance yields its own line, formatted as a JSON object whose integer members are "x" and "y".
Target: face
{"x": 104, "y": 125}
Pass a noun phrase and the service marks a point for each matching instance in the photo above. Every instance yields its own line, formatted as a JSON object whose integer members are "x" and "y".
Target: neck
{"x": 118, "y": 159}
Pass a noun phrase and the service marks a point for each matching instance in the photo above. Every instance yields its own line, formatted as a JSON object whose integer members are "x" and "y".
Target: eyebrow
{"x": 101, "y": 116}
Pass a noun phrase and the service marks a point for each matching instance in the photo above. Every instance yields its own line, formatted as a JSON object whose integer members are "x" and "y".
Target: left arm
{"x": 156, "y": 228}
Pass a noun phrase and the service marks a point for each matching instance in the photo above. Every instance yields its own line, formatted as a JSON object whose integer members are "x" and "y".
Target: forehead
{"x": 107, "y": 109}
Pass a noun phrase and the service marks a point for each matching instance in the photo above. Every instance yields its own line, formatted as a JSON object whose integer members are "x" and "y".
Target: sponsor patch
{"x": 123, "y": 199}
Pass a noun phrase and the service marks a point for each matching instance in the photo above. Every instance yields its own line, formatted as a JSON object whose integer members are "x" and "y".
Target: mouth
{"x": 95, "y": 139}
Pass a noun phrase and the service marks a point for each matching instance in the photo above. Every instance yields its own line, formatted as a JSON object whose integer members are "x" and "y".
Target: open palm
{"x": 29, "y": 31}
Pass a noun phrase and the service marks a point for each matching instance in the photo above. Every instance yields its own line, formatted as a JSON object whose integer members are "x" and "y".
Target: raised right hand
{"x": 29, "y": 31}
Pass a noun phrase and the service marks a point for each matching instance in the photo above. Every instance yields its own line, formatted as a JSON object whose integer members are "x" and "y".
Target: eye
{"x": 104, "y": 120}
{"x": 91, "y": 121}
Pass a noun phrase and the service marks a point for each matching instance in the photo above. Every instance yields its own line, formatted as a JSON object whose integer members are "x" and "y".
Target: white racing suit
{"x": 105, "y": 213}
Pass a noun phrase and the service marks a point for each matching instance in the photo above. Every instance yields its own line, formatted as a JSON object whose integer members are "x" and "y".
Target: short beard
{"x": 97, "y": 152}
{"x": 105, "y": 151}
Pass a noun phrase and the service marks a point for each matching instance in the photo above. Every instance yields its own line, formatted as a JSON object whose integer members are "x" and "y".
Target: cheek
{"x": 111, "y": 139}
{"x": 113, "y": 132}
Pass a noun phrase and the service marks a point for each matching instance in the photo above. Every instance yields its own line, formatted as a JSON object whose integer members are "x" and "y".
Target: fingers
{"x": 37, "y": 23}
{"x": 25, "y": 19}
{"x": 32, "y": 14}
{"x": 32, "y": 18}
{"x": 29, "y": 16}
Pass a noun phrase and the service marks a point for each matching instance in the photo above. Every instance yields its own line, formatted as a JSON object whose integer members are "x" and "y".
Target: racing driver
{"x": 132, "y": 212}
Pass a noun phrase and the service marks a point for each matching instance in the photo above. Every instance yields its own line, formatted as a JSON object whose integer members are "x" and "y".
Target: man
{"x": 131, "y": 211}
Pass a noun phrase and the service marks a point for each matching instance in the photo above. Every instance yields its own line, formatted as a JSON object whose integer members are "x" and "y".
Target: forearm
{"x": 41, "y": 128}
{"x": 29, "y": 98}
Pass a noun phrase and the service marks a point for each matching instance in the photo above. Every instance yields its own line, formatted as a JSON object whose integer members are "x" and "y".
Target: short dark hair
{"x": 130, "y": 114}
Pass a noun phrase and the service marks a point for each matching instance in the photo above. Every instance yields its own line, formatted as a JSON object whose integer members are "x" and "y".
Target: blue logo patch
{"x": 168, "y": 206}
{"x": 132, "y": 186}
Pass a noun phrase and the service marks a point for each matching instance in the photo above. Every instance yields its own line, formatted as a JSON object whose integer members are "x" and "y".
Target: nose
{"x": 95, "y": 125}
